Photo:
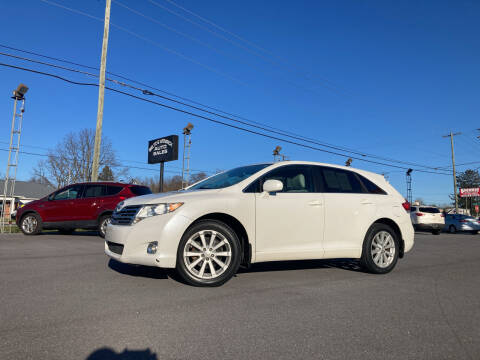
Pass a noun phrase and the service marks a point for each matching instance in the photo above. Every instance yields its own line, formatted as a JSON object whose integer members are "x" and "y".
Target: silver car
{"x": 459, "y": 222}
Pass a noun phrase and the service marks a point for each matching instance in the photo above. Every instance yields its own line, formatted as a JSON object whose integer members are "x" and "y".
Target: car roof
{"x": 350, "y": 168}
{"x": 105, "y": 183}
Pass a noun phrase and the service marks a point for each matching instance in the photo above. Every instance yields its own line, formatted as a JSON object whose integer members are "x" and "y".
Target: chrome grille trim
{"x": 125, "y": 216}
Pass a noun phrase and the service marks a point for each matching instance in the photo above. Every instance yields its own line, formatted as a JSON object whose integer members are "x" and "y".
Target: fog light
{"x": 152, "y": 247}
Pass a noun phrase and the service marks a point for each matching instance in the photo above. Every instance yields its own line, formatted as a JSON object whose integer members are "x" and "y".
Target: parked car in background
{"x": 76, "y": 206}
{"x": 290, "y": 210}
{"x": 459, "y": 222}
{"x": 427, "y": 218}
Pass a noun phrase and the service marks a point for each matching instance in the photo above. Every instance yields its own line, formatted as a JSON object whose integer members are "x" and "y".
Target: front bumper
{"x": 133, "y": 240}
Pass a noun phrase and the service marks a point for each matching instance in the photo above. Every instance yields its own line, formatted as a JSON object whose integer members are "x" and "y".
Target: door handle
{"x": 366, "y": 202}
{"x": 315, "y": 203}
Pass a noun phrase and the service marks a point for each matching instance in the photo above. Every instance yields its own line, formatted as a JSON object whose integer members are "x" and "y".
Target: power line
{"x": 213, "y": 48}
{"x": 185, "y": 57}
{"x": 120, "y": 160}
{"x": 67, "y": 158}
{"x": 324, "y": 82}
{"x": 263, "y": 127}
{"x": 218, "y": 121}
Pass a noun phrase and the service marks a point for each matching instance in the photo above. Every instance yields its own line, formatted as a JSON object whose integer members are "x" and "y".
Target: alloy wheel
{"x": 103, "y": 226}
{"x": 383, "y": 249}
{"x": 29, "y": 224}
{"x": 207, "y": 254}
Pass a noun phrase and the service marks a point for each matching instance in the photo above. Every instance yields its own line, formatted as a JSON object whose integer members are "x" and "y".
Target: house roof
{"x": 29, "y": 190}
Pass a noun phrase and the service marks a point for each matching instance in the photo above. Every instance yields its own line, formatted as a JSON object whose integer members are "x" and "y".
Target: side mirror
{"x": 272, "y": 186}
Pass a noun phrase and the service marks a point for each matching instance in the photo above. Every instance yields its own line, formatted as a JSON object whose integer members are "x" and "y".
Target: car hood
{"x": 174, "y": 196}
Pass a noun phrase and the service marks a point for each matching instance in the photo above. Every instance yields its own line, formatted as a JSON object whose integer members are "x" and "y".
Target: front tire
{"x": 436, "y": 232}
{"x": 209, "y": 254}
{"x": 380, "y": 249}
{"x": 31, "y": 224}
{"x": 102, "y": 225}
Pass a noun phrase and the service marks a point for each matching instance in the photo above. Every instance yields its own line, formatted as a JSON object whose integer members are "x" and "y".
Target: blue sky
{"x": 408, "y": 73}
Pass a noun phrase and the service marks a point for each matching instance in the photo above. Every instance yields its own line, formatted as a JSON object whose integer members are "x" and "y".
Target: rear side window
{"x": 413, "y": 208}
{"x": 140, "y": 190}
{"x": 430, "y": 210}
{"x": 370, "y": 186}
{"x": 72, "y": 192}
{"x": 341, "y": 181}
{"x": 94, "y": 191}
{"x": 113, "y": 190}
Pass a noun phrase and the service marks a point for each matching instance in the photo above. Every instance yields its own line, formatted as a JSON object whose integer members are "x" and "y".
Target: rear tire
{"x": 452, "y": 229}
{"x": 102, "y": 225}
{"x": 209, "y": 254}
{"x": 436, "y": 232}
{"x": 380, "y": 249}
{"x": 31, "y": 224}
{"x": 474, "y": 232}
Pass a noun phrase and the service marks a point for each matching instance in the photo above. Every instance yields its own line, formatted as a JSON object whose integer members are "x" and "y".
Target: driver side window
{"x": 295, "y": 179}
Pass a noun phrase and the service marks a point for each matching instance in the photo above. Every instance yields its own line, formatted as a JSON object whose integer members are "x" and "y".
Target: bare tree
{"x": 71, "y": 159}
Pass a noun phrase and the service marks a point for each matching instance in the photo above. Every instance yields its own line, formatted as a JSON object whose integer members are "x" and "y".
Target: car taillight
{"x": 463, "y": 221}
{"x": 122, "y": 198}
{"x": 419, "y": 214}
{"x": 406, "y": 206}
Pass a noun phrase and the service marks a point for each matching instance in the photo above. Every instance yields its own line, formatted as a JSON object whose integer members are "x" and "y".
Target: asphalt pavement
{"x": 62, "y": 298}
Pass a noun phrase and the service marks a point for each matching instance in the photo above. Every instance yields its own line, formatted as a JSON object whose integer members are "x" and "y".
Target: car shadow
{"x": 139, "y": 270}
{"x": 106, "y": 353}
{"x": 159, "y": 273}
{"x": 344, "y": 264}
{"x": 74, "y": 233}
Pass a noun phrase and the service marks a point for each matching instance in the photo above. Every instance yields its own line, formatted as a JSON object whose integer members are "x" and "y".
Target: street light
{"x": 187, "y": 129}
{"x": 20, "y": 92}
{"x": 187, "y": 144}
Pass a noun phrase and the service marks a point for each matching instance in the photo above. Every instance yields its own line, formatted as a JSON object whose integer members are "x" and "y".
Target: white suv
{"x": 266, "y": 212}
{"x": 427, "y": 218}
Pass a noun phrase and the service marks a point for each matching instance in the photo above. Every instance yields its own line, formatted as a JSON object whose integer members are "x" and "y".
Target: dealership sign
{"x": 163, "y": 149}
{"x": 469, "y": 192}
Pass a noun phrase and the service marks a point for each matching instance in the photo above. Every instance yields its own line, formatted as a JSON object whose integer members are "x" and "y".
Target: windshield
{"x": 229, "y": 178}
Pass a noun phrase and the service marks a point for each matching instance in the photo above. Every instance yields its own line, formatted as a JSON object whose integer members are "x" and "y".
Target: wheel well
{"x": 239, "y": 230}
{"x": 26, "y": 213}
{"x": 395, "y": 228}
{"x": 107, "y": 212}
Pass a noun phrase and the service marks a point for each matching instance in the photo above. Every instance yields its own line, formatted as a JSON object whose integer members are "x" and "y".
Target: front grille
{"x": 115, "y": 248}
{"x": 125, "y": 216}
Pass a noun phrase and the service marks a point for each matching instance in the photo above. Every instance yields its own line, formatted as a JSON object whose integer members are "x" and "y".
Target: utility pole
{"x": 451, "y": 135}
{"x": 101, "y": 92}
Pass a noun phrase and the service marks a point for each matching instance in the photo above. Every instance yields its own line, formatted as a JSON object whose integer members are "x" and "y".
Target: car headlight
{"x": 155, "y": 209}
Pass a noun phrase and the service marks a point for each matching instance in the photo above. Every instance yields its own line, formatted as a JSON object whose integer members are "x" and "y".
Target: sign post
{"x": 162, "y": 150}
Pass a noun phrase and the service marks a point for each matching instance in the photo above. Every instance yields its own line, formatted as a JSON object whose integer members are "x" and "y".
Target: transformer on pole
{"x": 12, "y": 162}
{"x": 187, "y": 144}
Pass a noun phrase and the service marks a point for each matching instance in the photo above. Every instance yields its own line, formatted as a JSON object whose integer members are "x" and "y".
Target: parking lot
{"x": 61, "y": 298}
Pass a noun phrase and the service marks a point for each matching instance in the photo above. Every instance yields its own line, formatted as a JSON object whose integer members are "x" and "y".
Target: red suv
{"x": 77, "y": 206}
